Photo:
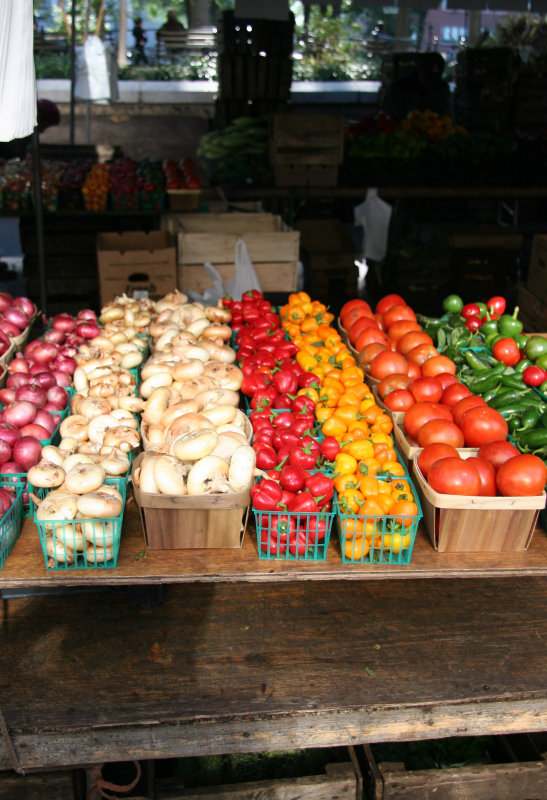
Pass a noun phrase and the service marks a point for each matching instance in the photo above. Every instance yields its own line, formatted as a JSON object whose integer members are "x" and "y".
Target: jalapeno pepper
{"x": 533, "y": 439}
{"x": 512, "y": 381}
{"x": 483, "y": 382}
{"x": 476, "y": 362}
{"x": 529, "y": 419}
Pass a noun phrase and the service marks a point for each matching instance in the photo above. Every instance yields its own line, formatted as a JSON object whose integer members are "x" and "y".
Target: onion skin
{"x": 20, "y": 413}
{"x": 16, "y": 316}
{"x": 27, "y": 451}
{"x": 26, "y": 304}
{"x": 31, "y": 393}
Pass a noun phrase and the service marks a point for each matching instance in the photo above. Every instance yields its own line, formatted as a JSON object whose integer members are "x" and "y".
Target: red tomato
{"x": 412, "y": 339}
{"x": 392, "y": 382}
{"x": 414, "y": 371}
{"x": 355, "y": 313}
{"x": 426, "y": 389}
{"x": 507, "y": 351}
{"x": 446, "y": 379}
{"x": 395, "y": 313}
{"x": 481, "y": 425}
{"x": 432, "y": 453}
{"x": 369, "y": 351}
{"x": 387, "y": 302}
{"x": 465, "y": 404}
{"x": 399, "y": 400}
{"x": 522, "y": 476}
{"x": 368, "y": 336}
{"x": 355, "y": 303}
{"x": 433, "y": 366}
{"x": 420, "y": 353}
{"x": 387, "y": 363}
{"x": 420, "y": 413}
{"x": 455, "y": 476}
{"x": 402, "y": 327}
{"x": 438, "y": 431}
{"x": 360, "y": 325}
{"x": 453, "y": 393}
{"x": 487, "y": 474}
{"x": 497, "y": 453}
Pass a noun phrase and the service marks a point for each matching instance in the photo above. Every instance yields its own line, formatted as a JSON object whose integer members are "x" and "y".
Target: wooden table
{"x": 250, "y": 655}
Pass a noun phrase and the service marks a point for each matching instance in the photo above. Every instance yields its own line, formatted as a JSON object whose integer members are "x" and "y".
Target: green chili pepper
{"x": 512, "y": 381}
{"x": 481, "y": 382}
{"x": 521, "y": 366}
{"x": 533, "y": 439}
{"x": 475, "y": 361}
{"x": 513, "y": 422}
{"x": 529, "y": 419}
{"x": 490, "y": 393}
{"x": 506, "y": 397}
{"x": 511, "y": 409}
{"x": 509, "y": 325}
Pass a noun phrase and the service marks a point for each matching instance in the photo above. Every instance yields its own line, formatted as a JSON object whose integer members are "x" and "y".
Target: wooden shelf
{"x": 220, "y": 668}
{"x": 25, "y": 566}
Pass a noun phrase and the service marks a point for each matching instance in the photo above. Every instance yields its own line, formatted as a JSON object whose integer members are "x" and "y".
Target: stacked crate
{"x": 484, "y": 87}
{"x": 254, "y": 66}
{"x": 307, "y": 149}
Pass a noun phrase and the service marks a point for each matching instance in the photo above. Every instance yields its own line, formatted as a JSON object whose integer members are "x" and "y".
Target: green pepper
{"x": 489, "y": 327}
{"x": 492, "y": 338}
{"x": 521, "y": 340}
{"x": 489, "y": 394}
{"x": 511, "y": 409}
{"x": 513, "y": 421}
{"x": 474, "y": 360}
{"x": 521, "y": 366}
{"x": 529, "y": 419}
{"x": 507, "y": 397}
{"x": 509, "y": 325}
{"x": 483, "y": 310}
{"x": 536, "y": 346}
{"x": 543, "y": 419}
{"x": 481, "y": 382}
{"x": 542, "y": 388}
{"x": 453, "y": 304}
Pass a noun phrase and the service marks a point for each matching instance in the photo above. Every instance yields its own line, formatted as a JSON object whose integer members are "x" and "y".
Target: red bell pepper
{"x": 266, "y": 494}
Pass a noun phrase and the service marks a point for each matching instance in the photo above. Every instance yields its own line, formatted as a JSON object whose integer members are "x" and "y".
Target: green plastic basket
{"x": 274, "y": 539}
{"x": 384, "y": 539}
{"x": 79, "y": 543}
{"x": 10, "y": 526}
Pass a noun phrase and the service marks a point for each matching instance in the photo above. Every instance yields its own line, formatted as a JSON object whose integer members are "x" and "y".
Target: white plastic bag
{"x": 245, "y": 277}
{"x": 92, "y": 70}
{"x": 212, "y": 294}
{"x": 374, "y": 214}
{"x": 17, "y": 77}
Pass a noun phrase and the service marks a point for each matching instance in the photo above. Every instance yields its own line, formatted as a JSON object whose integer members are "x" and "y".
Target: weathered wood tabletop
{"x": 25, "y": 566}
{"x": 224, "y": 667}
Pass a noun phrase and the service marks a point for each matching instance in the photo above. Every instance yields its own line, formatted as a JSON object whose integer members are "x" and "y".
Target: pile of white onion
{"x": 126, "y": 313}
{"x": 80, "y": 512}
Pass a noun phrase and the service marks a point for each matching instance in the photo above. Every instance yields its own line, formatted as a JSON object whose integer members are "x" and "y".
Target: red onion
{"x": 87, "y": 314}
{"x": 20, "y": 413}
{"x": 8, "y": 327}
{"x": 46, "y": 420}
{"x": 35, "y": 367}
{"x": 28, "y": 352}
{"x": 45, "y": 379}
{"x": 25, "y": 304}
{"x": 17, "y": 317}
{"x": 5, "y": 451}
{"x": 44, "y": 352}
{"x": 62, "y": 378}
{"x": 5, "y": 300}
{"x": 58, "y": 397}
{"x": 6, "y": 500}
{"x": 68, "y": 350}
{"x": 63, "y": 322}
{"x": 33, "y": 430}
{"x": 26, "y": 451}
{"x": 7, "y": 396}
{"x": 31, "y": 393}
{"x": 65, "y": 364}
{"x": 18, "y": 364}
{"x": 55, "y": 336}
{"x": 9, "y": 433}
{"x": 5, "y": 342}
{"x": 74, "y": 340}
{"x": 88, "y": 330}
{"x": 16, "y": 380}
{"x": 12, "y": 468}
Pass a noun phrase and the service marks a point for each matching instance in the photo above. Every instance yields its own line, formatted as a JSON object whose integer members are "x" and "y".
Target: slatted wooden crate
{"x": 306, "y": 149}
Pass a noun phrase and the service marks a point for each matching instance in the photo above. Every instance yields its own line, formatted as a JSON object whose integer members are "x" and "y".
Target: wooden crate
{"x": 307, "y": 175}
{"x": 461, "y": 524}
{"x": 188, "y": 522}
{"x": 273, "y": 249}
{"x": 340, "y": 781}
{"x": 521, "y": 780}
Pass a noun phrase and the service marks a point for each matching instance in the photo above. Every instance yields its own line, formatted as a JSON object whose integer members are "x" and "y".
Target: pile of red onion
{"x": 15, "y": 317}
{"x": 73, "y": 331}
{"x": 24, "y": 428}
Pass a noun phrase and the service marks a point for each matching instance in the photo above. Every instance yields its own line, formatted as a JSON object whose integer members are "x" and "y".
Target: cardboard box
{"x": 136, "y": 263}
{"x": 537, "y": 274}
{"x": 461, "y": 524}
{"x": 273, "y": 249}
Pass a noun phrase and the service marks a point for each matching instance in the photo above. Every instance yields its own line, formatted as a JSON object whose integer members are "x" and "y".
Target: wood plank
{"x": 273, "y": 276}
{"x": 247, "y": 668}
{"x": 266, "y": 246}
{"x": 45, "y": 785}
{"x": 25, "y": 566}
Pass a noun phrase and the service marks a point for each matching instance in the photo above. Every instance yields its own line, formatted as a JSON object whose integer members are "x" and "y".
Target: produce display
{"x": 273, "y": 406}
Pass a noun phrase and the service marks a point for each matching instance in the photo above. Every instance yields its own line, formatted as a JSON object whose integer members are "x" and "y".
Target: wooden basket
{"x": 192, "y": 522}
{"x": 409, "y": 447}
{"x": 461, "y": 524}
